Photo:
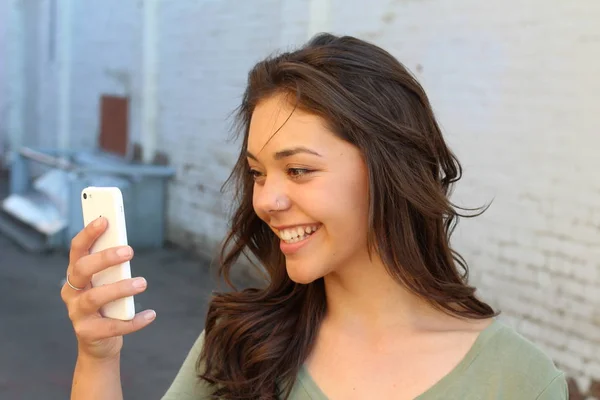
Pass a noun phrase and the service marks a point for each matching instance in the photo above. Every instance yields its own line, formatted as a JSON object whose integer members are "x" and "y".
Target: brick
{"x": 556, "y": 338}
{"x": 573, "y": 288}
{"x": 584, "y": 347}
{"x": 572, "y": 360}
{"x": 530, "y": 329}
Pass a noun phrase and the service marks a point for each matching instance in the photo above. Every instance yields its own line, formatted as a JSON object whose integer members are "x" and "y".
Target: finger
{"x": 67, "y": 292}
{"x": 83, "y": 269}
{"x": 92, "y": 329}
{"x": 81, "y": 243}
{"x": 92, "y": 300}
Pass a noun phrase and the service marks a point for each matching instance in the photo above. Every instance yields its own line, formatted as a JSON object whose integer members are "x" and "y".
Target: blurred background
{"x": 138, "y": 94}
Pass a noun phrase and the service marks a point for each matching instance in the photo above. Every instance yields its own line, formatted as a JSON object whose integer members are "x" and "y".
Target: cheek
{"x": 344, "y": 209}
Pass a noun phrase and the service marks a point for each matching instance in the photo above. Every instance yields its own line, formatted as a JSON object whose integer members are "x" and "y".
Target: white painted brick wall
{"x": 106, "y": 59}
{"x": 515, "y": 86}
{"x": 207, "y": 49}
{"x": 4, "y": 24}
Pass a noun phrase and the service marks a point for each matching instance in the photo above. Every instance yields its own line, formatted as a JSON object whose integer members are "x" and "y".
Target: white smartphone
{"x": 107, "y": 202}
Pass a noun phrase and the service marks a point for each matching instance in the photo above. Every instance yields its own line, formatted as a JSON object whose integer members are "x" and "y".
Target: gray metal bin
{"x": 48, "y": 184}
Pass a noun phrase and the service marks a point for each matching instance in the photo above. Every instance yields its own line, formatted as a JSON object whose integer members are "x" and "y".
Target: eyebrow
{"x": 287, "y": 153}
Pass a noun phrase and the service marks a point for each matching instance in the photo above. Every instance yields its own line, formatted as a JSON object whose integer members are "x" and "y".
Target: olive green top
{"x": 501, "y": 365}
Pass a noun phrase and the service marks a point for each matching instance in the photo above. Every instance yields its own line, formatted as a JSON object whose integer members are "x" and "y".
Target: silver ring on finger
{"x": 71, "y": 285}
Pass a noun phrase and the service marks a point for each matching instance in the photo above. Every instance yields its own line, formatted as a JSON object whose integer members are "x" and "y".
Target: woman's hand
{"x": 99, "y": 337}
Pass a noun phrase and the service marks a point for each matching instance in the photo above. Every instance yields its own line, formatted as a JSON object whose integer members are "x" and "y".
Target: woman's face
{"x": 311, "y": 189}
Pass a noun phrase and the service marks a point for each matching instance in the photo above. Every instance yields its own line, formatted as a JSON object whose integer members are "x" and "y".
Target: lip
{"x": 291, "y": 248}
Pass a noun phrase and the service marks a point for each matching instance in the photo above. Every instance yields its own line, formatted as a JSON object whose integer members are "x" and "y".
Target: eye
{"x": 298, "y": 172}
{"x": 255, "y": 174}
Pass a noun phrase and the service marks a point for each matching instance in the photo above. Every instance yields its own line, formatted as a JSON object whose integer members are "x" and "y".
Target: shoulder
{"x": 518, "y": 362}
{"x": 187, "y": 385}
{"x": 508, "y": 346}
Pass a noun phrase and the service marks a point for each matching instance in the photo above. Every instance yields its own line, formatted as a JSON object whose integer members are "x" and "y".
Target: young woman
{"x": 343, "y": 185}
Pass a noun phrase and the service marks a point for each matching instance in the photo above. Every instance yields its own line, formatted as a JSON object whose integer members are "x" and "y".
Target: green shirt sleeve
{"x": 187, "y": 385}
{"x": 557, "y": 389}
{"x": 502, "y": 365}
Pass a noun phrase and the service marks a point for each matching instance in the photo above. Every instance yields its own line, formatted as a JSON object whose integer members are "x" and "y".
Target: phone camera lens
{"x": 84, "y": 196}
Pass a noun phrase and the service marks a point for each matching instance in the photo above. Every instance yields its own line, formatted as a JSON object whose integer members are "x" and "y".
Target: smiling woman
{"x": 343, "y": 185}
{"x": 342, "y": 194}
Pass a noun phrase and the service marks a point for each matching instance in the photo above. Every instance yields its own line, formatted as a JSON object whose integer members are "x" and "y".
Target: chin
{"x": 302, "y": 274}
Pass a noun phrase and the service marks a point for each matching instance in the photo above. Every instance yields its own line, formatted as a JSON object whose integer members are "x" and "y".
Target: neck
{"x": 363, "y": 296}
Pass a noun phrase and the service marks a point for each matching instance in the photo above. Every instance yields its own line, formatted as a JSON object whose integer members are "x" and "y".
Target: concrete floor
{"x": 37, "y": 344}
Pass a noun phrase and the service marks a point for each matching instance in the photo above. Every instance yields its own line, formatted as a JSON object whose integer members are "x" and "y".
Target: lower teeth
{"x": 297, "y": 239}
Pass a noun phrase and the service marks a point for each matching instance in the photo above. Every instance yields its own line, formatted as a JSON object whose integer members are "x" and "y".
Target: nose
{"x": 271, "y": 197}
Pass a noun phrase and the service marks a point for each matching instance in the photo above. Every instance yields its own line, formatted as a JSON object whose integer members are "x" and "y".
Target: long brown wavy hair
{"x": 257, "y": 339}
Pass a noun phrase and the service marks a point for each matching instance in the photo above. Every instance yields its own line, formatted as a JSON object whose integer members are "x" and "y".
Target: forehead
{"x": 275, "y": 124}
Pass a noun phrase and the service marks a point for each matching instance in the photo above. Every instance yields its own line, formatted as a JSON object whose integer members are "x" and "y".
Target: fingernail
{"x": 124, "y": 251}
{"x": 98, "y": 222}
{"x": 139, "y": 283}
{"x": 149, "y": 315}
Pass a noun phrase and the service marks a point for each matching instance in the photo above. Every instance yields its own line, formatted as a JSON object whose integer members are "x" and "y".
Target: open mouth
{"x": 298, "y": 234}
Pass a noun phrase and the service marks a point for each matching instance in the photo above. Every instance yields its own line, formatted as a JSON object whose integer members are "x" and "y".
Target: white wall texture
{"x": 515, "y": 86}
{"x": 12, "y": 82}
{"x": 106, "y": 60}
{"x": 4, "y": 24}
{"x": 206, "y": 51}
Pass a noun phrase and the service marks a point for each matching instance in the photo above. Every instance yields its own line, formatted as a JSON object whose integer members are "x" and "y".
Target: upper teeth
{"x": 296, "y": 232}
